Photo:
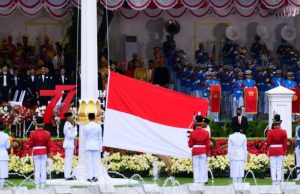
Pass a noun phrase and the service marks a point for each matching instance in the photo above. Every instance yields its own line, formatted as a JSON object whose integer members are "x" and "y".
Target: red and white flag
{"x": 143, "y": 117}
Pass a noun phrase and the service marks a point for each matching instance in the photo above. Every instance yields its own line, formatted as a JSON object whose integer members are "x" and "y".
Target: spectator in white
{"x": 70, "y": 133}
{"x": 92, "y": 134}
{"x": 4, "y": 145}
{"x": 58, "y": 59}
{"x": 237, "y": 155}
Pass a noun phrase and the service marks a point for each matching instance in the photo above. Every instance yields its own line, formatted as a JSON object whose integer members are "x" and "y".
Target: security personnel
{"x": 238, "y": 92}
{"x": 40, "y": 142}
{"x": 201, "y": 54}
{"x": 259, "y": 76}
{"x": 43, "y": 82}
{"x": 200, "y": 143}
{"x": 237, "y": 155}
{"x": 228, "y": 52}
{"x": 4, "y": 145}
{"x": 297, "y": 146}
{"x": 5, "y": 83}
{"x": 70, "y": 133}
{"x": 92, "y": 134}
{"x": 277, "y": 146}
{"x": 189, "y": 78}
{"x": 289, "y": 83}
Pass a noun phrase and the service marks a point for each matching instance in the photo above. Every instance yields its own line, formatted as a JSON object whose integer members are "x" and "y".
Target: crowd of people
{"x": 169, "y": 68}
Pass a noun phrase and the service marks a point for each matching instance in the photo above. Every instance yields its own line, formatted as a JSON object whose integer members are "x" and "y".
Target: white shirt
{"x": 43, "y": 77}
{"x": 92, "y": 134}
{"x": 70, "y": 133}
{"x": 32, "y": 78}
{"x": 4, "y": 145}
{"x": 16, "y": 80}
{"x": 63, "y": 79}
{"x": 237, "y": 146}
{"x": 5, "y": 79}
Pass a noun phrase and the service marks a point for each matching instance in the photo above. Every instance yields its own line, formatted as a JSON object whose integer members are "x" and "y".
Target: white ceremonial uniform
{"x": 4, "y": 145}
{"x": 297, "y": 151}
{"x": 237, "y": 155}
{"x": 70, "y": 133}
{"x": 92, "y": 134}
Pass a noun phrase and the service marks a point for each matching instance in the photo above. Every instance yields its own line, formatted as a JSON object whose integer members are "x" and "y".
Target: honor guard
{"x": 214, "y": 81}
{"x": 92, "y": 134}
{"x": 238, "y": 92}
{"x": 277, "y": 146}
{"x": 206, "y": 85}
{"x": 4, "y": 146}
{"x": 199, "y": 141}
{"x": 277, "y": 79}
{"x": 297, "y": 146}
{"x": 40, "y": 142}
{"x": 249, "y": 83}
{"x": 70, "y": 133}
{"x": 237, "y": 155}
{"x": 289, "y": 83}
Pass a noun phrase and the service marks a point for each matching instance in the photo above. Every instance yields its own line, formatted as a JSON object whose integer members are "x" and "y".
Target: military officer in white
{"x": 70, "y": 133}
{"x": 237, "y": 154}
{"x": 4, "y": 145}
{"x": 297, "y": 146}
{"x": 92, "y": 134}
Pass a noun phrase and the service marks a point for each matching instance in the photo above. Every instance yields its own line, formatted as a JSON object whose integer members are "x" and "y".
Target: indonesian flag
{"x": 146, "y": 118}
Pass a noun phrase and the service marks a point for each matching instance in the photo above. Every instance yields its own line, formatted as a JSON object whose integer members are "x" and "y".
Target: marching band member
{"x": 297, "y": 146}
{"x": 199, "y": 141}
{"x": 237, "y": 154}
{"x": 40, "y": 142}
{"x": 277, "y": 146}
{"x": 70, "y": 133}
{"x": 4, "y": 145}
{"x": 92, "y": 134}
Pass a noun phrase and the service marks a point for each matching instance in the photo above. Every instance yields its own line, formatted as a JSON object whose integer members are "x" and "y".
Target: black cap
{"x": 198, "y": 119}
{"x": 276, "y": 119}
{"x": 40, "y": 120}
{"x": 67, "y": 114}
{"x": 91, "y": 116}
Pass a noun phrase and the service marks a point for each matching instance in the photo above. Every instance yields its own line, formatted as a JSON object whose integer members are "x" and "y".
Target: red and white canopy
{"x": 56, "y": 8}
{"x": 222, "y": 8}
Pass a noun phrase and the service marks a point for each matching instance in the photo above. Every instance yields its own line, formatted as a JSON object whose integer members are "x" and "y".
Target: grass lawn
{"x": 181, "y": 180}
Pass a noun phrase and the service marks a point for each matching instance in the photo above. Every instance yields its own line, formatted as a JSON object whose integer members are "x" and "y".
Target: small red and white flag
{"x": 143, "y": 117}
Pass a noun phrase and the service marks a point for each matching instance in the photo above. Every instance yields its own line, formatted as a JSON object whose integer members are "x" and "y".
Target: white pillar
{"x": 89, "y": 70}
{"x": 280, "y": 102}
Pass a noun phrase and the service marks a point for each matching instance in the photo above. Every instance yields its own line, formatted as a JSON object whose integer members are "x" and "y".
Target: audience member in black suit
{"x": 43, "y": 82}
{"x": 30, "y": 84}
{"x": 5, "y": 83}
{"x": 161, "y": 76}
{"x": 62, "y": 79}
{"x": 16, "y": 82}
{"x": 239, "y": 122}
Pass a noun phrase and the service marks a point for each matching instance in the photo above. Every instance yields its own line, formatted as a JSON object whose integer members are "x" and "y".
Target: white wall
{"x": 150, "y": 32}
{"x": 18, "y": 24}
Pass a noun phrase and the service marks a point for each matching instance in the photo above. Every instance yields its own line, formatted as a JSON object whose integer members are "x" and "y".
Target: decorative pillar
{"x": 89, "y": 102}
{"x": 280, "y": 102}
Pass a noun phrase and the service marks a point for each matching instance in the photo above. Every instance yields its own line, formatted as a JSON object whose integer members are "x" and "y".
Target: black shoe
{"x": 71, "y": 178}
{"x": 94, "y": 179}
{"x": 90, "y": 180}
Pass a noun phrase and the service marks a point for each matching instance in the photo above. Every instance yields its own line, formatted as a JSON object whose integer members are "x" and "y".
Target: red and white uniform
{"x": 199, "y": 141}
{"x": 277, "y": 146}
{"x": 40, "y": 142}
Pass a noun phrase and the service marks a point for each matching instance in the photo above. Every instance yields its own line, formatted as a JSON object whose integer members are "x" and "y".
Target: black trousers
{"x": 5, "y": 93}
